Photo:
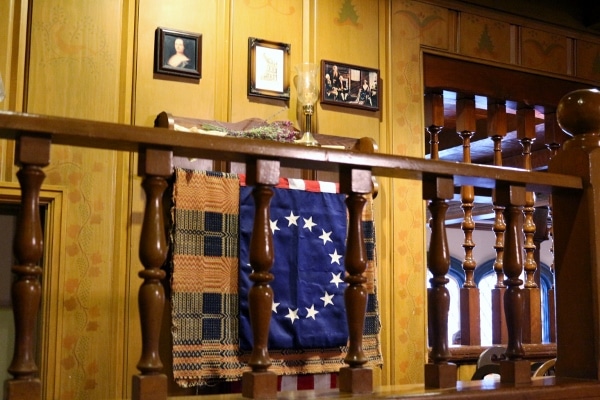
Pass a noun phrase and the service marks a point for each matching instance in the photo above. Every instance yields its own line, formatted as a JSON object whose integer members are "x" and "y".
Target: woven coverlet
{"x": 205, "y": 234}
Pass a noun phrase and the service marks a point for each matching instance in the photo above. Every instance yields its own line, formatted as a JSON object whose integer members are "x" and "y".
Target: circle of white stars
{"x": 336, "y": 279}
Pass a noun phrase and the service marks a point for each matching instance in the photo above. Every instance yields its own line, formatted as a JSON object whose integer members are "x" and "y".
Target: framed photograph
{"x": 268, "y": 69}
{"x": 178, "y": 53}
{"x": 349, "y": 85}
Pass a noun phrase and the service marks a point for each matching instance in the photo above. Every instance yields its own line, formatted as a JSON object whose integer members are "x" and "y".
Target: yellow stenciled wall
{"x": 79, "y": 63}
{"x": 94, "y": 60}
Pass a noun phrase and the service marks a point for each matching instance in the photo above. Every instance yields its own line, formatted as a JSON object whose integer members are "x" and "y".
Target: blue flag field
{"x": 309, "y": 238}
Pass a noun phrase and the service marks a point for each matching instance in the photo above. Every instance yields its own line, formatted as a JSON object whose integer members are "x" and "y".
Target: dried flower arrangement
{"x": 280, "y": 131}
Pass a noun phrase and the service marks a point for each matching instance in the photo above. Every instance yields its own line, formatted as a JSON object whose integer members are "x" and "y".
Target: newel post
{"x": 576, "y": 217}
{"x": 155, "y": 166}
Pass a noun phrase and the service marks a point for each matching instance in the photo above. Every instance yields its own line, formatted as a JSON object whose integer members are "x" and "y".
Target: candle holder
{"x": 308, "y": 93}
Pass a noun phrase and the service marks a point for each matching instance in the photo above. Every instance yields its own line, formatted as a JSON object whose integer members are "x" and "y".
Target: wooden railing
{"x": 571, "y": 181}
{"x": 466, "y": 117}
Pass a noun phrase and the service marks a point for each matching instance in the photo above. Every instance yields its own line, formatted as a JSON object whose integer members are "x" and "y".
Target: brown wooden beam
{"x": 500, "y": 83}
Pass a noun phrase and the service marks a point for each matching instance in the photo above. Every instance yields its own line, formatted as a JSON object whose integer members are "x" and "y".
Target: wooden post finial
{"x": 578, "y": 112}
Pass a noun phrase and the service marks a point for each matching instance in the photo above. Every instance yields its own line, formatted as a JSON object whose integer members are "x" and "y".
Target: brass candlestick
{"x": 308, "y": 92}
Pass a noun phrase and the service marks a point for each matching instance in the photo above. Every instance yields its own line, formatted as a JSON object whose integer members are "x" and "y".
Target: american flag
{"x": 309, "y": 234}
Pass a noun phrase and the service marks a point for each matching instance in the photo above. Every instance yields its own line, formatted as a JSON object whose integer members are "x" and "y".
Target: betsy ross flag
{"x": 309, "y": 239}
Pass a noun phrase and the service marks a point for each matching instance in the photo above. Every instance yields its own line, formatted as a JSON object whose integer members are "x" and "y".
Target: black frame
{"x": 348, "y": 90}
{"x": 164, "y": 45}
{"x": 273, "y": 58}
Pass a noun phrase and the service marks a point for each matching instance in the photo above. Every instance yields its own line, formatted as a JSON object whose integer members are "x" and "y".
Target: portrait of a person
{"x": 339, "y": 83}
{"x": 364, "y": 93}
{"x": 179, "y": 59}
{"x": 330, "y": 91}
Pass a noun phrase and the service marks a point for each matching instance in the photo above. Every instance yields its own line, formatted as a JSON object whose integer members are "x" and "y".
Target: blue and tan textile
{"x": 205, "y": 294}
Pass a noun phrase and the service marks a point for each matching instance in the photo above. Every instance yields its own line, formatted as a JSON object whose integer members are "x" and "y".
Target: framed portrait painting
{"x": 350, "y": 85}
{"x": 268, "y": 69}
{"x": 178, "y": 53}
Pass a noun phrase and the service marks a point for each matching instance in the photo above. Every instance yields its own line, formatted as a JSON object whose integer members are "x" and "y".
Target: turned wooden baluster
{"x": 355, "y": 378}
{"x": 497, "y": 128}
{"x": 261, "y": 383}
{"x": 470, "y": 333}
{"x": 515, "y": 369}
{"x": 439, "y": 373}
{"x": 553, "y": 137}
{"x": 434, "y": 121}
{"x": 31, "y": 154}
{"x": 532, "y": 332}
{"x": 154, "y": 165}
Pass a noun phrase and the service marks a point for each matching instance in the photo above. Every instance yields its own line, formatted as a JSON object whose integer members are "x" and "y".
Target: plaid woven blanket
{"x": 204, "y": 291}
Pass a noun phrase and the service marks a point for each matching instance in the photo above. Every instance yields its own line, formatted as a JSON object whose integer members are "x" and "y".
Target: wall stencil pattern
{"x": 545, "y": 51}
{"x": 75, "y": 72}
{"x": 588, "y": 60}
{"x": 348, "y": 15}
{"x": 277, "y": 6}
{"x": 427, "y": 22}
{"x": 485, "y": 38}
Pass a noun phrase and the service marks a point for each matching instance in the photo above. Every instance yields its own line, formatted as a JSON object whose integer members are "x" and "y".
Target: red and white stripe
{"x": 307, "y": 382}
{"x": 287, "y": 383}
{"x": 309, "y": 186}
{"x": 302, "y": 184}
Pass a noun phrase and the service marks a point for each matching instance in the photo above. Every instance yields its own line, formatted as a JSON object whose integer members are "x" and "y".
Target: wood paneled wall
{"x": 94, "y": 60}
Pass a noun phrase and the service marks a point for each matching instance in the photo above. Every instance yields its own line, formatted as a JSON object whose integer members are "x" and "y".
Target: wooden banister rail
{"x": 264, "y": 158}
{"x": 105, "y": 135}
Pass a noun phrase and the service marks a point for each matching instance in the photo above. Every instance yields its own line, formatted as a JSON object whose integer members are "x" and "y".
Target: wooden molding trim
{"x": 54, "y": 199}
